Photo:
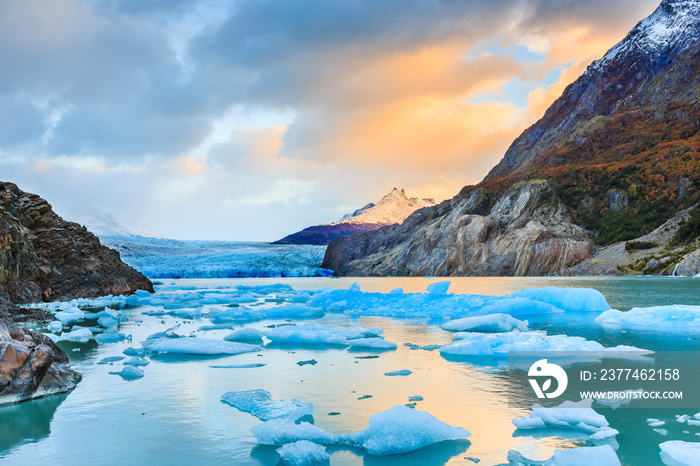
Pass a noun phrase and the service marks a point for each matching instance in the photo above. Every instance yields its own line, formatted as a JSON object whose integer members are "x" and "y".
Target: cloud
{"x": 250, "y": 119}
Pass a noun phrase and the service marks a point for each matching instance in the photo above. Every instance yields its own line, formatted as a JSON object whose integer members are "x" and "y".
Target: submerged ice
{"x": 260, "y": 404}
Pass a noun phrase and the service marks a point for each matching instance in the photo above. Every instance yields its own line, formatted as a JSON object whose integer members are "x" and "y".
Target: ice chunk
{"x": 111, "y": 337}
{"x": 686, "y": 453}
{"x": 674, "y": 318}
{"x": 110, "y": 359}
{"x": 193, "y": 345}
{"x": 489, "y": 323}
{"x": 438, "y": 287}
{"x": 260, "y": 404}
{"x": 135, "y": 351}
{"x": 318, "y": 334}
{"x": 303, "y": 453}
{"x": 568, "y": 299}
{"x": 243, "y": 334}
{"x": 281, "y": 431}
{"x": 517, "y": 306}
{"x": 169, "y": 333}
{"x": 401, "y": 430}
{"x": 375, "y": 343}
{"x": 55, "y": 327}
{"x": 602, "y": 455}
{"x": 653, "y": 422}
{"x": 129, "y": 373}
{"x": 80, "y": 334}
{"x": 415, "y": 398}
{"x": 398, "y": 373}
{"x": 137, "y": 361}
{"x": 499, "y": 344}
{"x": 70, "y": 315}
{"x": 663, "y": 432}
{"x": 396, "y": 430}
{"x": 568, "y": 415}
{"x": 682, "y": 418}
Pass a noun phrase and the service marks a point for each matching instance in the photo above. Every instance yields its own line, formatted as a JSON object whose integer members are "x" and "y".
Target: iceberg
{"x": 675, "y": 318}
{"x": 568, "y": 299}
{"x": 499, "y": 344}
{"x": 438, "y": 287}
{"x": 680, "y": 453}
{"x": 568, "y": 415}
{"x": 318, "y": 334}
{"x": 397, "y": 430}
{"x": 374, "y": 343}
{"x": 137, "y": 361}
{"x": 129, "y": 373}
{"x": 70, "y": 315}
{"x": 260, "y": 404}
{"x": 80, "y": 335}
{"x": 244, "y": 334}
{"x": 602, "y": 455}
{"x": 303, "y": 453}
{"x": 200, "y": 346}
{"x": 517, "y": 306}
{"x": 489, "y": 323}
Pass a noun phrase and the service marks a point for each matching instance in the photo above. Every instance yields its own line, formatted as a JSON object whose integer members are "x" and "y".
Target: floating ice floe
{"x": 200, "y": 346}
{"x": 499, "y": 344}
{"x": 568, "y": 299}
{"x": 110, "y": 359}
{"x": 135, "y": 351}
{"x": 55, "y": 327}
{"x": 489, "y": 323}
{"x": 676, "y": 318}
{"x": 79, "y": 335}
{"x": 169, "y": 333}
{"x": 438, "y": 287}
{"x": 402, "y": 372}
{"x": 303, "y": 453}
{"x": 517, "y": 306}
{"x": 677, "y": 452}
{"x": 373, "y": 343}
{"x": 397, "y": 430}
{"x": 260, "y": 404}
{"x": 246, "y": 314}
{"x": 318, "y": 334}
{"x": 602, "y": 455}
{"x": 568, "y": 415}
{"x": 111, "y": 337}
{"x": 237, "y": 366}
{"x": 244, "y": 334}
{"x": 70, "y": 315}
{"x": 129, "y": 373}
{"x": 653, "y": 422}
{"x": 137, "y": 361}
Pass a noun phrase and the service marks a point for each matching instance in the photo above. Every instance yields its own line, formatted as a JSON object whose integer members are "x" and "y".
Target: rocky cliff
{"x": 619, "y": 151}
{"x": 528, "y": 232}
{"x": 45, "y": 258}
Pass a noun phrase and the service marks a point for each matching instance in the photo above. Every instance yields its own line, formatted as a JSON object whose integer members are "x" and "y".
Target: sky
{"x": 252, "y": 119}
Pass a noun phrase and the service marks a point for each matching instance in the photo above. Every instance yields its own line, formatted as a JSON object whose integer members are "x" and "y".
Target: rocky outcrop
{"x": 527, "y": 232}
{"x": 392, "y": 208}
{"x": 690, "y": 265}
{"x": 45, "y": 258}
{"x": 31, "y": 366}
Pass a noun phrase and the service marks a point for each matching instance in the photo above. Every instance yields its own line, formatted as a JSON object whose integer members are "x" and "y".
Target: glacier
{"x": 167, "y": 258}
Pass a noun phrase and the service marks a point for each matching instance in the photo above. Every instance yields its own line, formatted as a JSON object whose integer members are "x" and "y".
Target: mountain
{"x": 612, "y": 160}
{"x": 102, "y": 223}
{"x": 45, "y": 258}
{"x": 391, "y": 209}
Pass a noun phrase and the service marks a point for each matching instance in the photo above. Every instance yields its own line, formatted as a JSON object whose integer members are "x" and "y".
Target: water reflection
{"x": 27, "y": 422}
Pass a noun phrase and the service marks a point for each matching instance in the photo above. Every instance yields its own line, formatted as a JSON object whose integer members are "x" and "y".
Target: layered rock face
{"x": 527, "y": 232}
{"x": 45, "y": 258}
{"x": 31, "y": 366}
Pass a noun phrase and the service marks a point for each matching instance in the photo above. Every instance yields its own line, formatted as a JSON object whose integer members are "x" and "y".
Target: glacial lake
{"x": 173, "y": 415}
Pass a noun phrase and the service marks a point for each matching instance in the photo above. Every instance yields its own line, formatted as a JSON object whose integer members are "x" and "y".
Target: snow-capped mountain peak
{"x": 392, "y": 208}
{"x": 668, "y": 31}
{"x": 102, "y": 223}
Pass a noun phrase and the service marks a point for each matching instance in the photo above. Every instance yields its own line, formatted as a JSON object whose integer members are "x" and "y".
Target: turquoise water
{"x": 173, "y": 415}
